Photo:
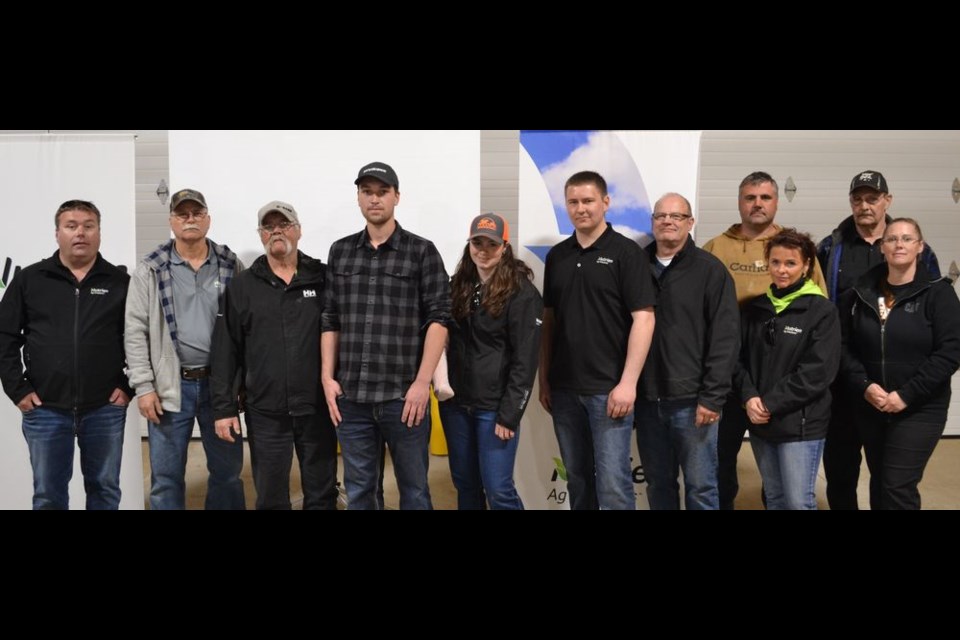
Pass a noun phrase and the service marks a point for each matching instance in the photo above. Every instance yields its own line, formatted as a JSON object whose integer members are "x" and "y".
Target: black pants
{"x": 733, "y": 426}
{"x": 273, "y": 439}
{"x": 841, "y": 453}
{"x": 898, "y": 449}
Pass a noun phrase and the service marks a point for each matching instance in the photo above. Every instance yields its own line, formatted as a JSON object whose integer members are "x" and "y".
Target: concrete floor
{"x": 940, "y": 488}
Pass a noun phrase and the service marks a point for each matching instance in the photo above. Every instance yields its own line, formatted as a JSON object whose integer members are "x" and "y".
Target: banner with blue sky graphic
{"x": 639, "y": 167}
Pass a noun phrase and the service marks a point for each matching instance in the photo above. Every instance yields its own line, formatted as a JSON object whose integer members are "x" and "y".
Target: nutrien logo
{"x": 560, "y": 473}
{"x": 7, "y": 275}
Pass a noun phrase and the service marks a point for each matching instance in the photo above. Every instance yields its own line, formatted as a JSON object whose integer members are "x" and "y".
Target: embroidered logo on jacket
{"x": 99, "y": 292}
{"x": 309, "y": 293}
{"x": 602, "y": 260}
{"x": 792, "y": 331}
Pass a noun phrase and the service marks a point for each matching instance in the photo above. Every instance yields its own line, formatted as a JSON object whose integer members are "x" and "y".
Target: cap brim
{"x": 493, "y": 237}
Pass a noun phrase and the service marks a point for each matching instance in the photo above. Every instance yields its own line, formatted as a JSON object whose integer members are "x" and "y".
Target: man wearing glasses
{"x": 845, "y": 255}
{"x": 65, "y": 314}
{"x": 384, "y": 328}
{"x": 688, "y": 372}
{"x": 268, "y": 338}
{"x": 741, "y": 250}
{"x": 171, "y": 311}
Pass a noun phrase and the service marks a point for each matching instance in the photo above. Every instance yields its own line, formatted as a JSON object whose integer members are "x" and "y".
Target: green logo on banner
{"x": 8, "y": 272}
{"x": 561, "y": 470}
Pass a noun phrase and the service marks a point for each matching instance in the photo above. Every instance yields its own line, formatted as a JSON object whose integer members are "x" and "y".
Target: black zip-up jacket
{"x": 915, "y": 352}
{"x": 71, "y": 334}
{"x": 269, "y": 332}
{"x": 493, "y": 361}
{"x": 792, "y": 375}
{"x": 697, "y": 336}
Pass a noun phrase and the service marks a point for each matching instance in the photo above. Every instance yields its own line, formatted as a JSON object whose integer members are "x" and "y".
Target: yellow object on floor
{"x": 438, "y": 441}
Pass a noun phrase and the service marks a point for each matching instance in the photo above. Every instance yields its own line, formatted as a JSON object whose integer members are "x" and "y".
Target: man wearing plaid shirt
{"x": 384, "y": 327}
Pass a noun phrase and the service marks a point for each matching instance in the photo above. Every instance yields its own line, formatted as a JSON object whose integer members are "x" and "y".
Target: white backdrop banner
{"x": 639, "y": 167}
{"x": 240, "y": 171}
{"x": 37, "y": 174}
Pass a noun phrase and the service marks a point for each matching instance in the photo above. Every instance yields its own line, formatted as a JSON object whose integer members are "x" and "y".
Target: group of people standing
{"x": 691, "y": 347}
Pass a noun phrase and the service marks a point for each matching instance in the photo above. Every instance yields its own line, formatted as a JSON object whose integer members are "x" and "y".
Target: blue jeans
{"x": 364, "y": 429}
{"x": 595, "y": 450}
{"x": 669, "y": 440}
{"x": 481, "y": 463}
{"x": 99, "y": 434}
{"x": 789, "y": 472}
{"x": 168, "y": 453}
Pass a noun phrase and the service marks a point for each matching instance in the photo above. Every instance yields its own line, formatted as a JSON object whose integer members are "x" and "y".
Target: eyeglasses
{"x": 674, "y": 217}
{"x": 283, "y": 226}
{"x": 183, "y": 216}
{"x": 905, "y": 240}
{"x": 870, "y": 200}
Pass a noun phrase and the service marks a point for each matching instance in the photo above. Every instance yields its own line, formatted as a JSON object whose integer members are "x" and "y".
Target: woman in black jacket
{"x": 901, "y": 333}
{"x": 492, "y": 356}
{"x": 789, "y": 356}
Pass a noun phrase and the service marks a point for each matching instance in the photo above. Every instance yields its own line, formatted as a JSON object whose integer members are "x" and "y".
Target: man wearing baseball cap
{"x": 384, "y": 327}
{"x": 845, "y": 255}
{"x": 268, "y": 336}
{"x": 171, "y": 312}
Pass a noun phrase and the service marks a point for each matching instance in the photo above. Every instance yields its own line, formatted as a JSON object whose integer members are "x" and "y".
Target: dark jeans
{"x": 898, "y": 450}
{"x": 733, "y": 426}
{"x": 841, "y": 454}
{"x": 51, "y": 434}
{"x": 273, "y": 439}
{"x": 365, "y": 428}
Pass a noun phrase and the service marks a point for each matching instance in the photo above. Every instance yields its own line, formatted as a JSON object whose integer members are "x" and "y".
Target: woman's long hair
{"x": 506, "y": 281}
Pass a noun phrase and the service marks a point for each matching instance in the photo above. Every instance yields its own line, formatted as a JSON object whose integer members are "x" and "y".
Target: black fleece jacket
{"x": 915, "y": 352}
{"x": 493, "y": 361}
{"x": 269, "y": 332}
{"x": 790, "y": 361}
{"x": 697, "y": 336}
{"x": 71, "y": 334}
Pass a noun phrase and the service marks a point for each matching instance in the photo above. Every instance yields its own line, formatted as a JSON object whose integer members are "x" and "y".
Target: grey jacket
{"x": 150, "y": 335}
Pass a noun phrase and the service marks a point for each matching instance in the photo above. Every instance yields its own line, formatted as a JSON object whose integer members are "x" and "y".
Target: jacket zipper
{"x": 883, "y": 327}
{"x": 76, "y": 357}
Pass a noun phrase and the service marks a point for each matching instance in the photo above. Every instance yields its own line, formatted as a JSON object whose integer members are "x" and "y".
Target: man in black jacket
{"x": 269, "y": 333}
{"x": 688, "y": 372}
{"x": 66, "y": 314}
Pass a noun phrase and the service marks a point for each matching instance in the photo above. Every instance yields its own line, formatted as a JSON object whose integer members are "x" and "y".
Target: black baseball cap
{"x": 868, "y": 178}
{"x": 382, "y": 172}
